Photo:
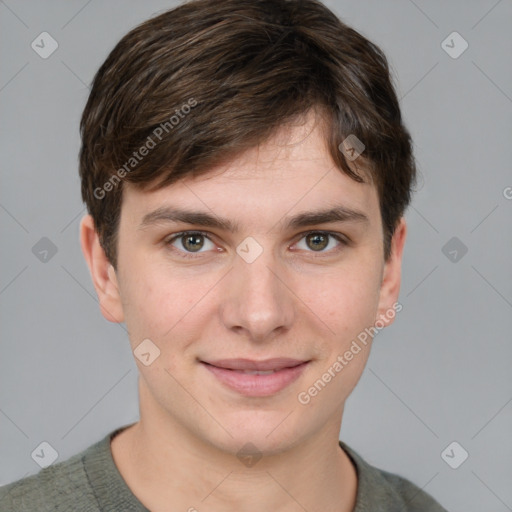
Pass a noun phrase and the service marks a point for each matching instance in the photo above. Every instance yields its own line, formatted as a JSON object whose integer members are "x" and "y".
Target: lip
{"x": 276, "y": 363}
{"x": 253, "y": 385}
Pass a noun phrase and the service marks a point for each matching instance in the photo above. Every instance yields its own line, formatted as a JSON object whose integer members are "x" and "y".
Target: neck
{"x": 168, "y": 467}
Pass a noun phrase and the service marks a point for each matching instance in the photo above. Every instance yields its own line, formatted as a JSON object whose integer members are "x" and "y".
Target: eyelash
{"x": 343, "y": 242}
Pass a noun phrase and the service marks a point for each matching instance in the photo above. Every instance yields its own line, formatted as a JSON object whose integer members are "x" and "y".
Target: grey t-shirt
{"x": 90, "y": 482}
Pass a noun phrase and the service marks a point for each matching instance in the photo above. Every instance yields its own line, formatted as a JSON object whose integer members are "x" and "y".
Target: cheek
{"x": 348, "y": 308}
{"x": 158, "y": 304}
{"x": 345, "y": 300}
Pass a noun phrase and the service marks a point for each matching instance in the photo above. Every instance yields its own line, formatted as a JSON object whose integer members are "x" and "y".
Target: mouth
{"x": 256, "y": 378}
{"x": 250, "y": 365}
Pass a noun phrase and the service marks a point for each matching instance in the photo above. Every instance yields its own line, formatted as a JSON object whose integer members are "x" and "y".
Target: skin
{"x": 292, "y": 301}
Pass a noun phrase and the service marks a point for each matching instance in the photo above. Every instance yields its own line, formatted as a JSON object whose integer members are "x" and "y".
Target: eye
{"x": 320, "y": 241}
{"x": 190, "y": 242}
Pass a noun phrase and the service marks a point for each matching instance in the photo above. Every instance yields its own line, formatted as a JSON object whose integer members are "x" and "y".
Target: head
{"x": 247, "y": 115}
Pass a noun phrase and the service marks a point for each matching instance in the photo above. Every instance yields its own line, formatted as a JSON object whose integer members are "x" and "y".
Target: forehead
{"x": 290, "y": 172}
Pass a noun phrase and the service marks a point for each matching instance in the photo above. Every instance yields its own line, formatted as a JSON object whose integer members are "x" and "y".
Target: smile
{"x": 256, "y": 383}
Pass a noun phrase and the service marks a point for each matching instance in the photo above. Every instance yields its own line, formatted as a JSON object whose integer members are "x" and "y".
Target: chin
{"x": 271, "y": 436}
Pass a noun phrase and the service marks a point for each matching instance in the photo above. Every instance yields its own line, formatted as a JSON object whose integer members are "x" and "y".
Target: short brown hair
{"x": 211, "y": 78}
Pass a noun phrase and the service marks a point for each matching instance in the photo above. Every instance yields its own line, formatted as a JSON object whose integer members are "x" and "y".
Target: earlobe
{"x": 103, "y": 274}
{"x": 391, "y": 277}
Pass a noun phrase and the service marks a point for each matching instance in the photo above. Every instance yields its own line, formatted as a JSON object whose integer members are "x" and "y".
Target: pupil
{"x": 318, "y": 241}
{"x": 193, "y": 242}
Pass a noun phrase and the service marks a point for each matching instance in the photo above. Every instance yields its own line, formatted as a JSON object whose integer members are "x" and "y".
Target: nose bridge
{"x": 257, "y": 301}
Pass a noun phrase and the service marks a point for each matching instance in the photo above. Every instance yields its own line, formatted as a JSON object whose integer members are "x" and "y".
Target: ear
{"x": 391, "y": 276}
{"x": 102, "y": 272}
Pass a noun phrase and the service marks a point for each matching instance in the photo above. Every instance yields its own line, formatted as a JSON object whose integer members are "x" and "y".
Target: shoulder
{"x": 60, "y": 487}
{"x": 382, "y": 491}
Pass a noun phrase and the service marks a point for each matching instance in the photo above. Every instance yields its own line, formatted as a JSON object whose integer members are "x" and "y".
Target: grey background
{"x": 441, "y": 373}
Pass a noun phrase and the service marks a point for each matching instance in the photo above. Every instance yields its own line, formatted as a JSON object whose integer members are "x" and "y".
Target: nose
{"x": 257, "y": 302}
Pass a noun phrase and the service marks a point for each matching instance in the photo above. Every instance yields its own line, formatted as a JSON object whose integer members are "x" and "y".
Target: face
{"x": 263, "y": 279}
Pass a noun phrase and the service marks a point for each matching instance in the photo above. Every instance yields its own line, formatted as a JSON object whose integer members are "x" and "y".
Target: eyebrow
{"x": 165, "y": 214}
